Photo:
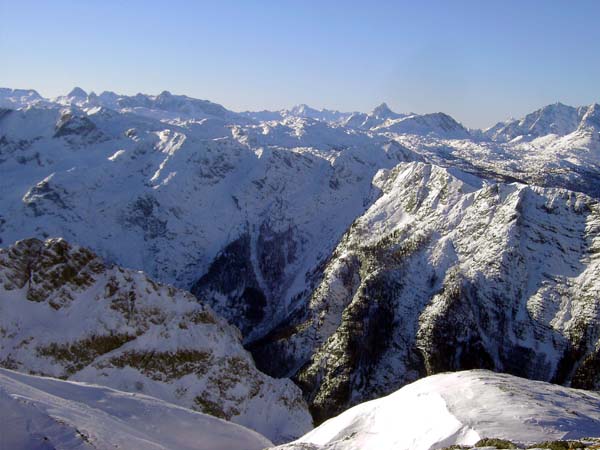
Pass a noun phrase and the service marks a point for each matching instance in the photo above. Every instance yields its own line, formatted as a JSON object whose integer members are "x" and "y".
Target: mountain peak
{"x": 300, "y": 108}
{"x": 303, "y": 110}
{"x": 165, "y": 94}
{"x": 77, "y": 92}
{"x": 382, "y": 110}
{"x": 555, "y": 118}
{"x": 591, "y": 118}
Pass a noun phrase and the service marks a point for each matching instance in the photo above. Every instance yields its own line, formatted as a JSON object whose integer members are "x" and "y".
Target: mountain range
{"x": 354, "y": 252}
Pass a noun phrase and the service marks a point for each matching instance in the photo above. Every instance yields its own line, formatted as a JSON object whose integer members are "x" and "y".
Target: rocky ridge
{"x": 446, "y": 272}
{"x": 67, "y": 314}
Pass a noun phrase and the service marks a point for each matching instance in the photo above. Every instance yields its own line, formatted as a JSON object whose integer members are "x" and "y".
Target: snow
{"x": 116, "y": 155}
{"x": 193, "y": 173}
{"x": 42, "y": 413}
{"x": 18, "y": 98}
{"x": 523, "y": 258}
{"x": 163, "y": 183}
{"x": 460, "y": 408}
{"x": 160, "y": 321}
{"x": 194, "y": 157}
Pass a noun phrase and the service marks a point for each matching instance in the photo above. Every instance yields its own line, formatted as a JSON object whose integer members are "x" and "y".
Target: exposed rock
{"x": 443, "y": 275}
{"x": 67, "y": 314}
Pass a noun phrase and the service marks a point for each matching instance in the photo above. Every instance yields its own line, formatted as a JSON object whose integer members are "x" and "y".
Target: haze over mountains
{"x": 355, "y": 252}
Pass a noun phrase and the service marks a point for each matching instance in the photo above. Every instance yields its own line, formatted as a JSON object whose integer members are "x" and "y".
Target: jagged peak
{"x": 557, "y": 104}
{"x": 77, "y": 92}
{"x": 382, "y": 110}
{"x": 556, "y": 107}
{"x": 594, "y": 107}
{"x": 591, "y": 117}
{"x": 301, "y": 108}
{"x": 108, "y": 94}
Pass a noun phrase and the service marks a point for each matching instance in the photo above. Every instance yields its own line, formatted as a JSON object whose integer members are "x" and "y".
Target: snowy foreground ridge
{"x": 433, "y": 413}
{"x": 43, "y": 413}
{"x": 460, "y": 408}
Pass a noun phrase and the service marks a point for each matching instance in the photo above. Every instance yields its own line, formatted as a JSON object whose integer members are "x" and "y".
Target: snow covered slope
{"x": 436, "y": 124}
{"x": 448, "y": 272}
{"x": 65, "y": 313}
{"x": 460, "y": 408}
{"x": 43, "y": 414}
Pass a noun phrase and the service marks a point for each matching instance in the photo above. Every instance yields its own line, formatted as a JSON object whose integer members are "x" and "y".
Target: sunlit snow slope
{"x": 460, "y": 408}
{"x": 43, "y": 414}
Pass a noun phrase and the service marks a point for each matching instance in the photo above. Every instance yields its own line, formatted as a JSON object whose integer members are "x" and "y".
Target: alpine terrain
{"x": 66, "y": 314}
{"x": 276, "y": 268}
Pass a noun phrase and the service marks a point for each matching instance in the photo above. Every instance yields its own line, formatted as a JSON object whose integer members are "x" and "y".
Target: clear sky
{"x": 480, "y": 61}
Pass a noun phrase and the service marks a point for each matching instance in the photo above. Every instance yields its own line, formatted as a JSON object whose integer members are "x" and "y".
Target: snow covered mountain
{"x": 446, "y": 272}
{"x": 19, "y": 98}
{"x": 569, "y": 160}
{"x": 437, "y": 124}
{"x": 555, "y": 119}
{"x": 164, "y": 106}
{"x": 350, "y": 250}
{"x": 169, "y": 199}
{"x": 380, "y": 115}
{"x": 65, "y": 313}
{"x": 44, "y": 413}
{"x": 299, "y": 111}
{"x": 459, "y": 410}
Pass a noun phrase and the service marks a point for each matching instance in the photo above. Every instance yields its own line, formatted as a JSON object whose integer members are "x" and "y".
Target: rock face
{"x": 65, "y": 313}
{"x": 459, "y": 410}
{"x": 444, "y": 273}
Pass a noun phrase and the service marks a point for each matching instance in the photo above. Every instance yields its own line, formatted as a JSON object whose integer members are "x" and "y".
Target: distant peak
{"x": 302, "y": 107}
{"x": 165, "y": 94}
{"x": 77, "y": 92}
{"x": 557, "y": 105}
{"x": 591, "y": 117}
{"x": 382, "y": 110}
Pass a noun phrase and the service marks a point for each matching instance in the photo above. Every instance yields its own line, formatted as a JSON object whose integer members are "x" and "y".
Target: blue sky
{"x": 480, "y": 61}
